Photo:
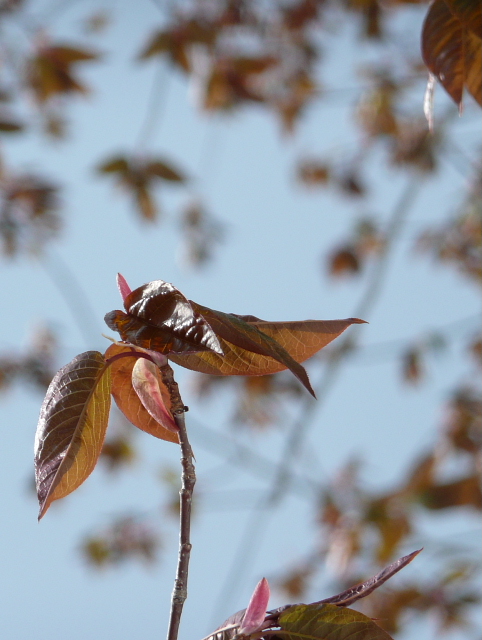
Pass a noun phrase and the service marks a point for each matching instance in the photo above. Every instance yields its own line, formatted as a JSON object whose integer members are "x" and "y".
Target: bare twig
{"x": 179, "y": 593}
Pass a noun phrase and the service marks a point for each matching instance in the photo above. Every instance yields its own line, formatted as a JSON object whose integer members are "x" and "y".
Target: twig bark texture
{"x": 179, "y": 593}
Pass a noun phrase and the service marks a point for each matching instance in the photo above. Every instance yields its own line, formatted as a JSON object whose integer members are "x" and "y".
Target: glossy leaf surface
{"x": 160, "y": 318}
{"x": 324, "y": 621}
{"x": 71, "y": 428}
{"x": 128, "y": 400}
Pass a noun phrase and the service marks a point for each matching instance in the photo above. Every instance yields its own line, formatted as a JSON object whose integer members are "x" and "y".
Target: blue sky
{"x": 269, "y": 265}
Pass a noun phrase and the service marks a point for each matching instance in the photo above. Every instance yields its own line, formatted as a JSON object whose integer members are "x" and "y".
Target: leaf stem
{"x": 179, "y": 593}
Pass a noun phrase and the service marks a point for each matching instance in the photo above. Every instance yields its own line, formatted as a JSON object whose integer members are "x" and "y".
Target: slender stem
{"x": 179, "y": 593}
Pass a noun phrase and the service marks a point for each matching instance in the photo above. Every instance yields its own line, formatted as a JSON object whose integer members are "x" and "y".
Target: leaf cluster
{"x": 158, "y": 323}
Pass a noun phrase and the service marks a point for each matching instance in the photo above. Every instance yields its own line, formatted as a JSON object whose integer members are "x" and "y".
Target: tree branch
{"x": 179, "y": 593}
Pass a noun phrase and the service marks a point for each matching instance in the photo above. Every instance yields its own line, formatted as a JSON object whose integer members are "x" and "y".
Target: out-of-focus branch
{"x": 74, "y": 296}
{"x": 156, "y": 104}
{"x": 300, "y": 428}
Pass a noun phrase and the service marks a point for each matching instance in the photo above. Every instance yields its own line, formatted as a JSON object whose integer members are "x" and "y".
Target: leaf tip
{"x": 256, "y": 610}
{"x": 43, "y": 509}
{"x": 122, "y": 285}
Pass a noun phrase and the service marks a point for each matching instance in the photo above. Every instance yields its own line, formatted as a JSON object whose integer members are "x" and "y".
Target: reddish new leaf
{"x": 256, "y": 610}
{"x": 161, "y": 319}
{"x": 71, "y": 428}
{"x": 146, "y": 384}
{"x": 123, "y": 287}
{"x": 128, "y": 400}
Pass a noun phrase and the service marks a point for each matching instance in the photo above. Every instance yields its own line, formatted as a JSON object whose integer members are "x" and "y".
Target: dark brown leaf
{"x": 469, "y": 12}
{"x": 71, "y": 428}
{"x": 465, "y": 492}
{"x": 160, "y": 318}
{"x": 451, "y": 50}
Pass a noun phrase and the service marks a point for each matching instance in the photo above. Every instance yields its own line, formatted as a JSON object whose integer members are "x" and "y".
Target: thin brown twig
{"x": 179, "y": 593}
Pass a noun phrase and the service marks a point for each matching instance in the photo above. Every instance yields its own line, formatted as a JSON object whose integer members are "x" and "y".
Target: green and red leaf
{"x": 71, "y": 428}
{"x": 322, "y": 621}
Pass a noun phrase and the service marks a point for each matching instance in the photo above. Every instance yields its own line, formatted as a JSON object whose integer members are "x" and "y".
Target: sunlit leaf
{"x": 322, "y": 621}
{"x": 160, "y": 318}
{"x": 128, "y": 400}
{"x": 71, "y": 428}
{"x": 146, "y": 384}
{"x": 301, "y": 339}
{"x": 235, "y": 331}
